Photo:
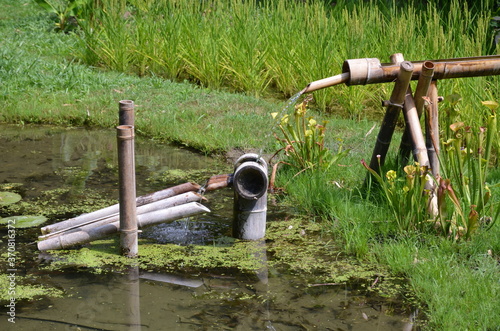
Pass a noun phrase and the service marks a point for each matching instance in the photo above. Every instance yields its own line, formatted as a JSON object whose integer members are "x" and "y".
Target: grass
{"x": 264, "y": 48}
{"x": 45, "y": 78}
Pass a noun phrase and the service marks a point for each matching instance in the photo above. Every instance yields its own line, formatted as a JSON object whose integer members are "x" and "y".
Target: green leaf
{"x": 8, "y": 198}
{"x": 26, "y": 221}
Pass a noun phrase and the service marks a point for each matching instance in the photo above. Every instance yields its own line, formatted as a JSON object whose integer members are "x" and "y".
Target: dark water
{"x": 45, "y": 158}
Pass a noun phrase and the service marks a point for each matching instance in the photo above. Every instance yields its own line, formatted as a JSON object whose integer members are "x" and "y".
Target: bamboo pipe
{"x": 126, "y": 183}
{"x": 420, "y": 91}
{"x": 391, "y": 115}
{"x": 371, "y": 71}
{"x": 424, "y": 81}
{"x": 432, "y": 129}
{"x": 153, "y": 206}
{"x": 114, "y": 209}
{"x": 143, "y": 220}
{"x": 415, "y": 131}
{"x": 126, "y": 115}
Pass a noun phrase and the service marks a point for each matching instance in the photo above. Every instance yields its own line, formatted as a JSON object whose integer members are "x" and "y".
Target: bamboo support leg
{"x": 432, "y": 129}
{"x": 415, "y": 131}
{"x": 391, "y": 116}
{"x": 424, "y": 81}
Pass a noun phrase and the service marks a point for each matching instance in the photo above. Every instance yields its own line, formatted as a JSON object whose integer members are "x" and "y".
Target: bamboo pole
{"x": 127, "y": 193}
{"x": 432, "y": 128}
{"x": 126, "y": 115}
{"x": 424, "y": 81}
{"x": 160, "y": 216}
{"x": 371, "y": 71}
{"x": 415, "y": 131}
{"x": 114, "y": 209}
{"x": 157, "y": 205}
{"x": 391, "y": 116}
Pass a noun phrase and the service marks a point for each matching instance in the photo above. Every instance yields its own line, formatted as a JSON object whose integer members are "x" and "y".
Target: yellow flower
{"x": 391, "y": 175}
{"x": 284, "y": 119}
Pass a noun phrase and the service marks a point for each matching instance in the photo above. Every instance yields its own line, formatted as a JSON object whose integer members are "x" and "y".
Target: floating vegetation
{"x": 24, "y": 221}
{"x": 25, "y": 291}
{"x": 8, "y": 198}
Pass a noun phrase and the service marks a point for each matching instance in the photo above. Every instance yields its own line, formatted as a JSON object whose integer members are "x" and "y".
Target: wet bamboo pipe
{"x": 101, "y": 214}
{"x": 371, "y": 71}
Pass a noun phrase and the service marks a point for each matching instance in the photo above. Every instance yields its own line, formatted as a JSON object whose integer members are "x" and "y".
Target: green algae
{"x": 59, "y": 204}
{"x": 293, "y": 246}
{"x": 25, "y": 288}
{"x": 104, "y": 255}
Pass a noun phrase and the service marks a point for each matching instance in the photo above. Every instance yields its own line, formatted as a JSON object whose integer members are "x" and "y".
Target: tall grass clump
{"x": 269, "y": 47}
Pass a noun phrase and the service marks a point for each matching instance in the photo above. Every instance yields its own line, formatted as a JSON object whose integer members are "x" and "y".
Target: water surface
{"x": 45, "y": 158}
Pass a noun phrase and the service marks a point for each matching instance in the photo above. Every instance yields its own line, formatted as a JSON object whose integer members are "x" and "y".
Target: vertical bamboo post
{"x": 126, "y": 178}
{"x": 432, "y": 128}
{"x": 126, "y": 113}
{"x": 394, "y": 107}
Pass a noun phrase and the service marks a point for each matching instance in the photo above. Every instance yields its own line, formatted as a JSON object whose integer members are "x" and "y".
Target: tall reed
{"x": 263, "y": 47}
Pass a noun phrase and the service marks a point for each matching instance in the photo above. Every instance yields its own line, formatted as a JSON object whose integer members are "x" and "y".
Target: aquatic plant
{"x": 303, "y": 141}
{"x": 465, "y": 161}
{"x": 463, "y": 196}
{"x": 406, "y": 195}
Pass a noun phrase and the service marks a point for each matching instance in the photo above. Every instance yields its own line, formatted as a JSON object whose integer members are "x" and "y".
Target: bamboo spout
{"x": 326, "y": 82}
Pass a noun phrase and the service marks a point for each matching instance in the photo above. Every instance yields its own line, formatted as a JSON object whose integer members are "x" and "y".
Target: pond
{"x": 77, "y": 165}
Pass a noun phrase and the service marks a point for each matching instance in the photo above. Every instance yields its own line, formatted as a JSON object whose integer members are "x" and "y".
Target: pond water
{"x": 47, "y": 158}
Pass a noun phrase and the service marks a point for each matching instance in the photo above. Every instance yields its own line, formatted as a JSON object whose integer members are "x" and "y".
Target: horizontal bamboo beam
{"x": 371, "y": 71}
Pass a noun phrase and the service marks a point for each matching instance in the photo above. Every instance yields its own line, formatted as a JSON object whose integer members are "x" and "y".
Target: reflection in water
{"x": 43, "y": 158}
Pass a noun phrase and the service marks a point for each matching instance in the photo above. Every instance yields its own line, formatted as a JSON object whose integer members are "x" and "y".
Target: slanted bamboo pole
{"x": 394, "y": 107}
{"x": 114, "y": 209}
{"x": 160, "y": 216}
{"x": 415, "y": 130}
{"x": 157, "y": 205}
{"x": 126, "y": 183}
{"x": 424, "y": 81}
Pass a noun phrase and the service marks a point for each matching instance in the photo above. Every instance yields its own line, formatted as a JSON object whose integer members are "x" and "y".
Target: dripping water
{"x": 289, "y": 104}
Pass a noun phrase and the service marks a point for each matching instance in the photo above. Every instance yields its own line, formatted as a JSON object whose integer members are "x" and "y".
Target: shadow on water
{"x": 45, "y": 158}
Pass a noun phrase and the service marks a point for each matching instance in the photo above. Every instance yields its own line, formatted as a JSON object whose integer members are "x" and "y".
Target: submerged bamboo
{"x": 155, "y": 217}
{"x": 153, "y": 206}
{"x": 114, "y": 209}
